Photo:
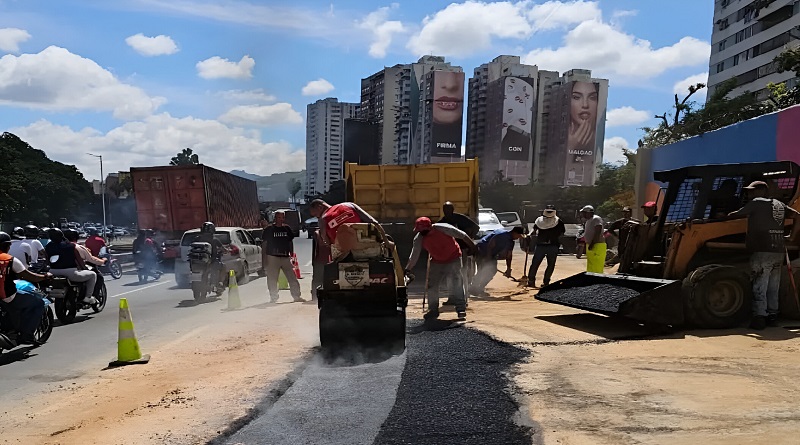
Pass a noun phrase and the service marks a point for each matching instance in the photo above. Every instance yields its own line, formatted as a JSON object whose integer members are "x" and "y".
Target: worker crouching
{"x": 440, "y": 241}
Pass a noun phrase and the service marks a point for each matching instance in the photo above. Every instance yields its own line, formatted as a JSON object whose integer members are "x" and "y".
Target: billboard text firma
{"x": 448, "y": 113}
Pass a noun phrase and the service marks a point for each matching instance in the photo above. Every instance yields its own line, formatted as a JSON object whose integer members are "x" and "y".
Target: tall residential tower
{"x": 324, "y": 142}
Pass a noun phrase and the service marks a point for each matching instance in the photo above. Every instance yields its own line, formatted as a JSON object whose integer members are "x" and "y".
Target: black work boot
{"x": 772, "y": 320}
{"x": 759, "y": 322}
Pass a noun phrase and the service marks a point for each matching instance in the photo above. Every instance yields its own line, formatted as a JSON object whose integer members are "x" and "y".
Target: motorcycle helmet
{"x": 19, "y": 232}
{"x": 149, "y": 233}
{"x": 31, "y": 231}
{"x": 208, "y": 227}
{"x": 55, "y": 235}
{"x": 71, "y": 235}
{"x": 4, "y": 239}
{"x": 91, "y": 231}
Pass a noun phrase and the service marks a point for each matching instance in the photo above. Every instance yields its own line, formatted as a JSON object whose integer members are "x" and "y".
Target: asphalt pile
{"x": 600, "y": 297}
{"x": 454, "y": 389}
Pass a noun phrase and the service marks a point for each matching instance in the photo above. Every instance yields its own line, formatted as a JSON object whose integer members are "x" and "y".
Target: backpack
{"x": 7, "y": 286}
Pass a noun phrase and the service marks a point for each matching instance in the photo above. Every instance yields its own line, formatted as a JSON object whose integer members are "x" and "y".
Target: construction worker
{"x": 492, "y": 247}
{"x": 440, "y": 240}
{"x": 765, "y": 228}
{"x": 277, "y": 240}
{"x": 548, "y": 229}
{"x": 465, "y": 224}
{"x": 595, "y": 241}
{"x": 618, "y": 229}
{"x": 320, "y": 256}
{"x": 650, "y": 212}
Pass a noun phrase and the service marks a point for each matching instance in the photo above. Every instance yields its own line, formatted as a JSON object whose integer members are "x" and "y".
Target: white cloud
{"x": 218, "y": 68}
{"x": 612, "y": 149}
{"x": 257, "y": 95}
{"x": 624, "y": 116}
{"x": 154, "y": 140}
{"x": 610, "y": 52}
{"x": 152, "y": 46}
{"x": 56, "y": 79}
{"x": 10, "y": 38}
{"x": 382, "y": 30}
{"x": 556, "y": 14}
{"x": 262, "y": 115}
{"x": 681, "y": 87}
{"x": 462, "y": 29}
{"x": 618, "y": 15}
{"x": 317, "y": 87}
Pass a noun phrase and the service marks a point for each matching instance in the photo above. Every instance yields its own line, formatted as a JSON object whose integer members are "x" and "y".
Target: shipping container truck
{"x": 174, "y": 199}
{"x": 396, "y": 195}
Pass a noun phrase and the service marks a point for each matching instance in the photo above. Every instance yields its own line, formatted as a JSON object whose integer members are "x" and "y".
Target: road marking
{"x": 141, "y": 288}
{"x": 309, "y": 263}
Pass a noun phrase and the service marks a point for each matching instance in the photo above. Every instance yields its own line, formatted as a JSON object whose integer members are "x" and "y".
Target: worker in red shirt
{"x": 440, "y": 241}
{"x": 94, "y": 242}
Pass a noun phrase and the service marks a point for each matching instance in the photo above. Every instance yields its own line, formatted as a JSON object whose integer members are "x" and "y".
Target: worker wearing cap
{"x": 765, "y": 241}
{"x": 595, "y": 241}
{"x": 650, "y": 215}
{"x": 548, "y": 229}
{"x": 440, "y": 241}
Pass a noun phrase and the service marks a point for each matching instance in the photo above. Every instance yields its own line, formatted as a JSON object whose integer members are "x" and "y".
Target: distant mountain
{"x": 273, "y": 187}
{"x": 245, "y": 175}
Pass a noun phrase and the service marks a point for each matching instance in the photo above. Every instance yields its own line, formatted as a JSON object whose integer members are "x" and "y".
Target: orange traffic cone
{"x": 295, "y": 266}
{"x": 128, "y": 352}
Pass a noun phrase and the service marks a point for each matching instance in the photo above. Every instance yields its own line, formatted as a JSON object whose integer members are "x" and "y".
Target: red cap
{"x": 649, "y": 204}
{"x": 422, "y": 223}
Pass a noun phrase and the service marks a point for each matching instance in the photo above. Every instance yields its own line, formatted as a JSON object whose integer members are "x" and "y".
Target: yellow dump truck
{"x": 396, "y": 195}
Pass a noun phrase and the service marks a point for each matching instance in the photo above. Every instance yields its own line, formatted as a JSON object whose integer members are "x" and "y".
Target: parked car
{"x": 310, "y": 225}
{"x": 511, "y": 220}
{"x": 244, "y": 256}
{"x": 488, "y": 222}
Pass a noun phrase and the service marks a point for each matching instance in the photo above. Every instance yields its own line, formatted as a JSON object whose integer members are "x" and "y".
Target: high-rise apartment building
{"x": 746, "y": 37}
{"x": 324, "y": 142}
{"x": 400, "y": 100}
{"x": 530, "y": 125}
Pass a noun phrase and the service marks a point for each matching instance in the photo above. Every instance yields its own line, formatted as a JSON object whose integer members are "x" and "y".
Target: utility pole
{"x": 102, "y": 191}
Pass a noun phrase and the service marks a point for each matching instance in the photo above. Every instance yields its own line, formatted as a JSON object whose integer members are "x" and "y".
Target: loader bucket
{"x": 649, "y": 300}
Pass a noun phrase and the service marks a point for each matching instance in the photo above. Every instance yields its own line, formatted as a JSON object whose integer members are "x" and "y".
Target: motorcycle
{"x": 112, "y": 266}
{"x": 9, "y": 320}
{"x": 68, "y": 295}
{"x": 206, "y": 272}
{"x": 146, "y": 267}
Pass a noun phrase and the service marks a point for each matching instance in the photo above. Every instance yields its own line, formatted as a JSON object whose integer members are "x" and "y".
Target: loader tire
{"x": 717, "y": 297}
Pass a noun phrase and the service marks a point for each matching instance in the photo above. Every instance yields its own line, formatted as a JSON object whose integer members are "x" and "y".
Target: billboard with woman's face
{"x": 585, "y": 132}
{"x": 448, "y": 113}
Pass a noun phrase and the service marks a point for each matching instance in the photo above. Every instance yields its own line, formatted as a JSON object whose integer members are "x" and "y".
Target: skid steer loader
{"x": 691, "y": 266}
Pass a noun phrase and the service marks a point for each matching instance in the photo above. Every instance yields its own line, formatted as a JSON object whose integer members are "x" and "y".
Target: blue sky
{"x": 137, "y": 81}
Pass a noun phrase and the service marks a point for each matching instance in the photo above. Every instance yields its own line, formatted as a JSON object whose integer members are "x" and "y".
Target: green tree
{"x": 185, "y": 157}
{"x": 293, "y": 186}
{"x": 35, "y": 188}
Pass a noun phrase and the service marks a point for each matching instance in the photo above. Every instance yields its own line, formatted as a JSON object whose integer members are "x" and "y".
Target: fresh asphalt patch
{"x": 455, "y": 389}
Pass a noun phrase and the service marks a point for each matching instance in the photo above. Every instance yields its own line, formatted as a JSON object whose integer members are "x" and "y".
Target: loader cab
{"x": 700, "y": 195}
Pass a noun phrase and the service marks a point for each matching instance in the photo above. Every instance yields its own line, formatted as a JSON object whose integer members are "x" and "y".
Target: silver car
{"x": 243, "y": 257}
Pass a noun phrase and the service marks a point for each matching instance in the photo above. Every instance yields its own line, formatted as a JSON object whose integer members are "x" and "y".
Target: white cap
{"x": 587, "y": 209}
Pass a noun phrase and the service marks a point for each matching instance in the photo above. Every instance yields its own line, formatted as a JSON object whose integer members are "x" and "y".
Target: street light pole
{"x": 102, "y": 191}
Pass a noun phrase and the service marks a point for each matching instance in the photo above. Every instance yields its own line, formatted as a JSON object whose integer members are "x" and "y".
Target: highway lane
{"x": 161, "y": 312}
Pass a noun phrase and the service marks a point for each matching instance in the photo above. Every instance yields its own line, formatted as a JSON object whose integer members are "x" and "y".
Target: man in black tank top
{"x": 69, "y": 264}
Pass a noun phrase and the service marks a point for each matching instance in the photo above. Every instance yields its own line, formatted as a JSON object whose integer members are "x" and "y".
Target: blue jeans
{"x": 30, "y": 309}
{"x": 549, "y": 251}
{"x": 766, "y": 267}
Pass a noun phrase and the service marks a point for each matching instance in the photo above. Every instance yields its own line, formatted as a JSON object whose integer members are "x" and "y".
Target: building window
{"x": 722, "y": 45}
{"x": 720, "y": 67}
{"x": 735, "y": 60}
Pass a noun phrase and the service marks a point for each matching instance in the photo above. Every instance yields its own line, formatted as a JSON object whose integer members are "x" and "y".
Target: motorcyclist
{"x": 29, "y": 307}
{"x": 72, "y": 236}
{"x": 20, "y": 247}
{"x": 66, "y": 261}
{"x": 94, "y": 242}
{"x": 37, "y": 249}
{"x": 217, "y": 250}
{"x": 149, "y": 250}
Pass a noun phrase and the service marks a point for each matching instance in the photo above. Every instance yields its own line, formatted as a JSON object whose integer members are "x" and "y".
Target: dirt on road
{"x": 595, "y": 380}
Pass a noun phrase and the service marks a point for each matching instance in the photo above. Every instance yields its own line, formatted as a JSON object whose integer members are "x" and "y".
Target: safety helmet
{"x": 19, "y": 232}
{"x": 4, "y": 238}
{"x": 208, "y": 227}
{"x": 71, "y": 235}
{"x": 55, "y": 235}
{"x": 31, "y": 231}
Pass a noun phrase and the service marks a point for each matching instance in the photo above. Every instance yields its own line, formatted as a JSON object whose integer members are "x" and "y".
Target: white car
{"x": 243, "y": 257}
{"x": 488, "y": 222}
